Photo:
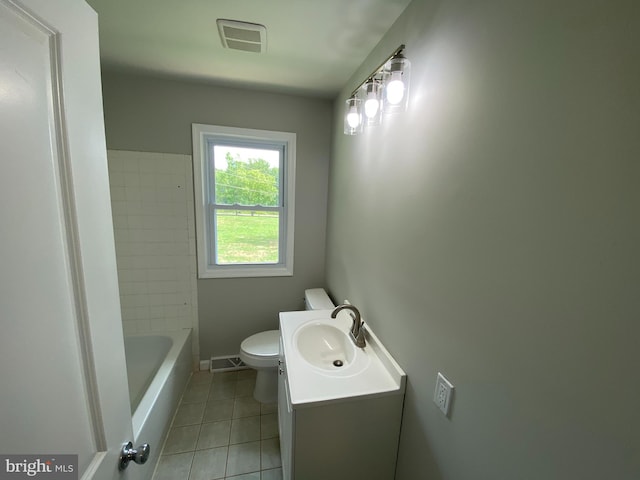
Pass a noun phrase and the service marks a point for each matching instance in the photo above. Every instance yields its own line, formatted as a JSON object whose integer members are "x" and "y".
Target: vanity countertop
{"x": 373, "y": 372}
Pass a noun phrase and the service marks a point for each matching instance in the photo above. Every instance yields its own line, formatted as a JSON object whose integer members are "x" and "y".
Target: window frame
{"x": 204, "y": 136}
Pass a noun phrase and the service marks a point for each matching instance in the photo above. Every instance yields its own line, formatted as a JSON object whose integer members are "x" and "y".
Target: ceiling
{"x": 313, "y": 46}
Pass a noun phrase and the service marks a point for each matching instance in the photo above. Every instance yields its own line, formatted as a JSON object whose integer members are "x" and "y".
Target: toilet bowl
{"x": 260, "y": 351}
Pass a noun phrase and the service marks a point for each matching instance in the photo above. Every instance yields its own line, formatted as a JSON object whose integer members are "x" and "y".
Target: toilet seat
{"x": 261, "y": 349}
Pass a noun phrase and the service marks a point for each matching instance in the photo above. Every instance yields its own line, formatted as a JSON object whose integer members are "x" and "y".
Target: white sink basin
{"x": 312, "y": 341}
{"x": 324, "y": 346}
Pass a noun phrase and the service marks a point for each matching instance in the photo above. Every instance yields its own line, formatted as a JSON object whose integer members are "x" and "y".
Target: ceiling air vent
{"x": 250, "y": 37}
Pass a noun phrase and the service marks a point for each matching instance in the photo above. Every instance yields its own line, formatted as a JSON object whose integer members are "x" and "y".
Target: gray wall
{"x": 492, "y": 233}
{"x": 155, "y": 115}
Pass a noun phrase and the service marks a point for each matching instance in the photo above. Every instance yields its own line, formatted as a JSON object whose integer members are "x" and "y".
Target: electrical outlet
{"x": 443, "y": 393}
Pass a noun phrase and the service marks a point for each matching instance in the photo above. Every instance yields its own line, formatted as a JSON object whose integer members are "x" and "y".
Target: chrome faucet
{"x": 357, "y": 329}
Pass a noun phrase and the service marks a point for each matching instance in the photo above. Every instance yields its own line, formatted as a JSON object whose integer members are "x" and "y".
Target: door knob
{"x": 139, "y": 455}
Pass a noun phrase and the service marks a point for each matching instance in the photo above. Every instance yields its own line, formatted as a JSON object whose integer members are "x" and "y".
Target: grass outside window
{"x": 246, "y": 237}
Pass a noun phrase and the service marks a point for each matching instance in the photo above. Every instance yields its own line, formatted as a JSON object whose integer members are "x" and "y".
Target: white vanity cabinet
{"x": 337, "y": 438}
{"x": 285, "y": 418}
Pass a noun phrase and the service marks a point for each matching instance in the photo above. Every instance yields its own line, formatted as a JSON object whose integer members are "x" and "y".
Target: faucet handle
{"x": 358, "y": 338}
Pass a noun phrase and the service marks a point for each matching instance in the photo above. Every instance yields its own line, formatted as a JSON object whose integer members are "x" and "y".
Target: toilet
{"x": 260, "y": 351}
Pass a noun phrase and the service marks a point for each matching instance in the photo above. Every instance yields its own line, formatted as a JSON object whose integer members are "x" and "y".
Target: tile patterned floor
{"x": 221, "y": 432}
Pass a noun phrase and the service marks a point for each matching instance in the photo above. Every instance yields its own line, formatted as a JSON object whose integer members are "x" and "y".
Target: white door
{"x": 63, "y": 386}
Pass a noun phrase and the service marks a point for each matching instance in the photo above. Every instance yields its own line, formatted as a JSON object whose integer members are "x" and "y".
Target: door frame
{"x": 80, "y": 150}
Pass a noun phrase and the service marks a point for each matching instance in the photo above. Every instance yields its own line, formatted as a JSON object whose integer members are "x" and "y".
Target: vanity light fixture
{"x": 397, "y": 84}
{"x": 372, "y": 102}
{"x": 386, "y": 90}
{"x": 353, "y": 120}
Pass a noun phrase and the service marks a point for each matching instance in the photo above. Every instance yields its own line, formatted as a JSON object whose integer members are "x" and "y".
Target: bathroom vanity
{"x": 339, "y": 406}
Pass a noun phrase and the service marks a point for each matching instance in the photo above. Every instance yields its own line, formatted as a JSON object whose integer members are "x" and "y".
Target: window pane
{"x": 245, "y": 236}
{"x": 246, "y": 176}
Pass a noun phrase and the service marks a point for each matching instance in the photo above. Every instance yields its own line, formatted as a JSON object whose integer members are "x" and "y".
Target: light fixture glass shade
{"x": 396, "y": 85}
{"x": 372, "y": 93}
{"x": 353, "y": 117}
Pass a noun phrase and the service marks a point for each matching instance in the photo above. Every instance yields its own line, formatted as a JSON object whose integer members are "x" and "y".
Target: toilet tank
{"x": 317, "y": 299}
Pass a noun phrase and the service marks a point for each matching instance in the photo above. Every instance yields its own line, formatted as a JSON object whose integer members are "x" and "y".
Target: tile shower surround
{"x": 153, "y": 220}
{"x": 221, "y": 432}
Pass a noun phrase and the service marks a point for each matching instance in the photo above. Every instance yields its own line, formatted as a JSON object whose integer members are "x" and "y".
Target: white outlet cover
{"x": 443, "y": 393}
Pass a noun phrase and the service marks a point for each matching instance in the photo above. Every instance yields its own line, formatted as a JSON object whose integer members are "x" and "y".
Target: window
{"x": 244, "y": 190}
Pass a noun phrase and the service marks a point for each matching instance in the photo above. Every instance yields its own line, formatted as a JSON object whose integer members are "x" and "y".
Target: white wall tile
{"x": 152, "y": 202}
{"x": 129, "y": 328}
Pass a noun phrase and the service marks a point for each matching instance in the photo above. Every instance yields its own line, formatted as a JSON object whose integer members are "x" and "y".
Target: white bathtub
{"x": 158, "y": 368}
